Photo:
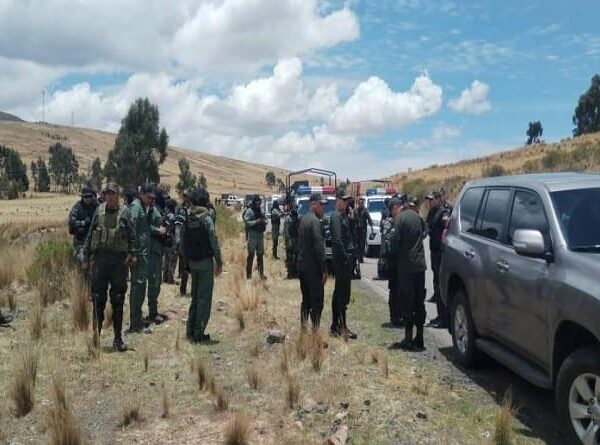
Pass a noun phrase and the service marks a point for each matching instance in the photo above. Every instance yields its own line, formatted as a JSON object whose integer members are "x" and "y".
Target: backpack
{"x": 197, "y": 244}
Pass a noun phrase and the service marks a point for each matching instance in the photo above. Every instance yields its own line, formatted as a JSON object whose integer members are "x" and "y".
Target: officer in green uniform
{"x": 111, "y": 246}
{"x": 276, "y": 215}
{"x": 256, "y": 224}
{"x": 139, "y": 276}
{"x": 290, "y": 230}
{"x": 158, "y": 237}
{"x": 202, "y": 256}
{"x": 407, "y": 244}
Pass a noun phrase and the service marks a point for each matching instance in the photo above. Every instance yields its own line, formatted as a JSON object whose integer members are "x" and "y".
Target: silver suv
{"x": 521, "y": 275}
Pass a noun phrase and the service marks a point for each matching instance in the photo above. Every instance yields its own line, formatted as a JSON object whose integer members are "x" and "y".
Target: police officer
{"x": 276, "y": 215}
{"x": 256, "y": 224}
{"x": 170, "y": 260}
{"x": 388, "y": 257}
{"x": 110, "y": 246}
{"x": 290, "y": 230}
{"x": 202, "y": 256}
{"x": 159, "y": 237}
{"x": 362, "y": 217}
{"x": 312, "y": 267}
{"x": 180, "y": 219}
{"x": 342, "y": 247}
{"x": 139, "y": 276}
{"x": 410, "y": 255}
{"x": 437, "y": 217}
{"x": 80, "y": 219}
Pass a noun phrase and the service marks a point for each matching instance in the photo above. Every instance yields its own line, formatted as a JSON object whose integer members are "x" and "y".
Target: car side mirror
{"x": 529, "y": 243}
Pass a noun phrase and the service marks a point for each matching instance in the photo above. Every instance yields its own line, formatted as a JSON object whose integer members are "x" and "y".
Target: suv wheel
{"x": 463, "y": 330}
{"x": 578, "y": 395}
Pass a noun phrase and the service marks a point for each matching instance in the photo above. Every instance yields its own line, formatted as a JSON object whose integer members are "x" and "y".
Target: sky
{"x": 364, "y": 87}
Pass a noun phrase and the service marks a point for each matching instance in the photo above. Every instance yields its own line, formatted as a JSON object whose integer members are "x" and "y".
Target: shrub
{"x": 228, "y": 227}
{"x": 53, "y": 260}
{"x": 493, "y": 170}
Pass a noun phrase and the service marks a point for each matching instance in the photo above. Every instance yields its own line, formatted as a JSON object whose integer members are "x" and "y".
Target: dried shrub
{"x": 237, "y": 431}
{"x": 64, "y": 429}
{"x": 25, "y": 375}
{"x": 503, "y": 428}
{"x": 78, "y": 294}
{"x": 254, "y": 377}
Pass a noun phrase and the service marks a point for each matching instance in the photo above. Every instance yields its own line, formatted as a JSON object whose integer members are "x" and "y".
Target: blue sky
{"x": 368, "y": 87}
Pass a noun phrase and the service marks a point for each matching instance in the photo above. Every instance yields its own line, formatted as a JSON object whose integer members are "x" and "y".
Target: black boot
{"x": 249, "y": 262}
{"x": 406, "y": 344}
{"x": 118, "y": 343}
{"x": 261, "y": 267}
{"x": 419, "y": 343}
{"x": 5, "y": 319}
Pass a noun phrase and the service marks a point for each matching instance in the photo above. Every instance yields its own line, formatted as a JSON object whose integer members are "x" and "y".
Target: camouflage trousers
{"x": 169, "y": 264}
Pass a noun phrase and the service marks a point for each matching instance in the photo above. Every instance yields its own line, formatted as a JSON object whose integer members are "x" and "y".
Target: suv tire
{"x": 463, "y": 330}
{"x": 577, "y": 391}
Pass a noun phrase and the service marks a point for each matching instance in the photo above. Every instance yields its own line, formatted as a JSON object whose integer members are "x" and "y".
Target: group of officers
{"x": 142, "y": 237}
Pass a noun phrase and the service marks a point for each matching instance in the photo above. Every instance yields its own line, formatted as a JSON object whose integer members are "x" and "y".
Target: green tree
{"x": 534, "y": 132}
{"x": 587, "y": 113}
{"x": 140, "y": 147}
{"x": 270, "y": 179}
{"x": 13, "y": 174}
{"x": 187, "y": 180}
{"x": 33, "y": 169}
{"x": 43, "y": 178}
{"x": 63, "y": 166}
{"x": 97, "y": 174}
{"x": 202, "y": 181}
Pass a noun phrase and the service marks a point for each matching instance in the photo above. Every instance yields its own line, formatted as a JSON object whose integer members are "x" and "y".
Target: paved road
{"x": 534, "y": 406}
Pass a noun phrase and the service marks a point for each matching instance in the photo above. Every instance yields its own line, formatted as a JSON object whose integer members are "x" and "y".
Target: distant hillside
{"x": 9, "y": 117}
{"x": 572, "y": 154}
{"x": 223, "y": 175}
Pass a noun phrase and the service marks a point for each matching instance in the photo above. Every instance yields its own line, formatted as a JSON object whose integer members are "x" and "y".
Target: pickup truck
{"x": 233, "y": 200}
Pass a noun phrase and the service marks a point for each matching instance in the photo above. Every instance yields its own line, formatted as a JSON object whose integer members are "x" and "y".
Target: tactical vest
{"x": 197, "y": 243}
{"x": 275, "y": 217}
{"x": 113, "y": 239}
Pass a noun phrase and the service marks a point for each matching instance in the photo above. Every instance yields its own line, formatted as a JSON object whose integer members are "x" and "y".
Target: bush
{"x": 53, "y": 259}
{"x": 552, "y": 160}
{"x": 228, "y": 227}
{"x": 493, "y": 170}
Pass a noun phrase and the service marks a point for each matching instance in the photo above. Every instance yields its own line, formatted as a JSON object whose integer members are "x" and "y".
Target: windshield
{"x": 375, "y": 205}
{"x": 304, "y": 206}
{"x": 579, "y": 214}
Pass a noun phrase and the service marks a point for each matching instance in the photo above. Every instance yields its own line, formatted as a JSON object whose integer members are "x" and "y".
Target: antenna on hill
{"x": 43, "y": 106}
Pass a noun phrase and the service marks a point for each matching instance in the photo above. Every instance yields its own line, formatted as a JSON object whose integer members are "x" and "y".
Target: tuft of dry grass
{"x": 422, "y": 387}
{"x": 359, "y": 353}
{"x": 254, "y": 375}
{"x": 37, "y": 321}
{"x": 378, "y": 357}
{"x": 239, "y": 315}
{"x": 166, "y": 402}
{"x": 64, "y": 429}
{"x": 292, "y": 392}
{"x": 201, "y": 373}
{"x": 178, "y": 338}
{"x": 503, "y": 428}
{"x": 108, "y": 316}
{"x": 131, "y": 412}
{"x": 286, "y": 361}
{"x": 25, "y": 376}
{"x": 303, "y": 344}
{"x": 11, "y": 300}
{"x": 78, "y": 294}
{"x": 255, "y": 350}
{"x": 221, "y": 401}
{"x": 237, "y": 431}
{"x": 146, "y": 358}
{"x": 317, "y": 353}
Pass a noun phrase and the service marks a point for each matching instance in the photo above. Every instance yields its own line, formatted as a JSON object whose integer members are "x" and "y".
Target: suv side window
{"x": 469, "y": 205}
{"x": 528, "y": 213}
{"x": 493, "y": 219}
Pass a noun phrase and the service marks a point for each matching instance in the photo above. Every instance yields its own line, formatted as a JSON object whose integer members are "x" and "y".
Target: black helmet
{"x": 200, "y": 197}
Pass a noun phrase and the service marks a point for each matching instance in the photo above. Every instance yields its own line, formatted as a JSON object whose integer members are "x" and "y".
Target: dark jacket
{"x": 436, "y": 222}
{"x": 80, "y": 219}
{"x": 407, "y": 243}
{"x": 203, "y": 215}
{"x": 311, "y": 245}
{"x": 342, "y": 246}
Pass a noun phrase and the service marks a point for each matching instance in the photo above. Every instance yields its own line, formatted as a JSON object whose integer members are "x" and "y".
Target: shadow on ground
{"x": 534, "y": 407}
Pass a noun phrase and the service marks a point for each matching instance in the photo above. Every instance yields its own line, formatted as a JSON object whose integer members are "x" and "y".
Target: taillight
{"x": 446, "y": 229}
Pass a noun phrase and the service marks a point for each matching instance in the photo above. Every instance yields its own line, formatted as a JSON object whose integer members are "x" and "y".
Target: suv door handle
{"x": 469, "y": 253}
{"x": 502, "y": 266}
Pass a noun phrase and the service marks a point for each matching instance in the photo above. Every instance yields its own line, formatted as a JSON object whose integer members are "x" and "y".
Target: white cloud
{"x": 374, "y": 107}
{"x": 473, "y": 100}
{"x": 161, "y": 35}
{"x": 324, "y": 102}
{"x": 442, "y": 132}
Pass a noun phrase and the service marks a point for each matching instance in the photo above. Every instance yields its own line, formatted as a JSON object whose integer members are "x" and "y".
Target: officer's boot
{"x": 419, "y": 343}
{"x": 118, "y": 343}
{"x": 408, "y": 343}
{"x": 261, "y": 267}
{"x": 249, "y": 264}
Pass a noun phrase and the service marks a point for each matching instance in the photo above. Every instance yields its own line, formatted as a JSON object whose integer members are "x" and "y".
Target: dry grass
{"x": 145, "y": 357}
{"x": 78, "y": 294}
{"x": 64, "y": 429}
{"x": 93, "y": 346}
{"x": 166, "y": 402}
{"x": 131, "y": 412}
{"x": 303, "y": 345}
{"x": 108, "y": 316}
{"x": 503, "y": 428}
{"x": 254, "y": 375}
{"x": 221, "y": 398}
{"x": 286, "y": 361}
{"x": 37, "y": 321}
{"x": 422, "y": 387}
{"x": 237, "y": 431}
{"x": 25, "y": 376}
{"x": 380, "y": 358}
{"x": 317, "y": 353}
{"x": 360, "y": 354}
{"x": 239, "y": 315}
{"x": 178, "y": 338}
{"x": 202, "y": 376}
{"x": 292, "y": 392}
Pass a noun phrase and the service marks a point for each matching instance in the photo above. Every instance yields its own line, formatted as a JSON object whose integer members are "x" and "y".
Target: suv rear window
{"x": 579, "y": 214}
{"x": 528, "y": 213}
{"x": 494, "y": 215}
{"x": 469, "y": 205}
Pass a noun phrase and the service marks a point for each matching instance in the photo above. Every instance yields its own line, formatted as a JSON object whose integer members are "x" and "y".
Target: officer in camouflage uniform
{"x": 180, "y": 219}
{"x": 110, "y": 246}
{"x": 388, "y": 265}
{"x": 256, "y": 224}
{"x": 276, "y": 215}
{"x": 80, "y": 219}
{"x": 202, "y": 256}
{"x": 170, "y": 261}
{"x": 290, "y": 231}
{"x": 158, "y": 240}
{"x": 140, "y": 218}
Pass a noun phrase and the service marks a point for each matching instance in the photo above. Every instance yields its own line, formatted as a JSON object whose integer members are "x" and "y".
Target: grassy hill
{"x": 9, "y": 117}
{"x": 223, "y": 175}
{"x": 572, "y": 154}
